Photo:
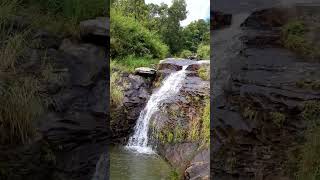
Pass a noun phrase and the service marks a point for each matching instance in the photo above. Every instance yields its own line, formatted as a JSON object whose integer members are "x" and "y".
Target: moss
{"x": 277, "y": 118}
{"x": 174, "y": 175}
{"x": 311, "y": 111}
{"x": 204, "y": 73}
{"x": 305, "y": 84}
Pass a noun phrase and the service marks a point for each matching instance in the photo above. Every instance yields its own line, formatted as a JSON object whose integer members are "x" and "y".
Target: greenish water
{"x": 129, "y": 165}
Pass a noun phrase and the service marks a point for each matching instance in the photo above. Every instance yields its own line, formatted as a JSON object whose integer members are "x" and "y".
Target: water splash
{"x": 139, "y": 141}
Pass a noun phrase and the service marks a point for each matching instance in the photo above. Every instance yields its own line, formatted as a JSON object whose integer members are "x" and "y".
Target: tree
{"x": 196, "y": 33}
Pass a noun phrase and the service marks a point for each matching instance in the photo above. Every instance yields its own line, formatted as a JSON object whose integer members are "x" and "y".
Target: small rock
{"x": 145, "y": 71}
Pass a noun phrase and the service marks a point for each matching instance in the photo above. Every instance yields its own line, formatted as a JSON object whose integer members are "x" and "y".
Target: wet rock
{"x": 96, "y": 31}
{"x": 101, "y": 168}
{"x": 199, "y": 166}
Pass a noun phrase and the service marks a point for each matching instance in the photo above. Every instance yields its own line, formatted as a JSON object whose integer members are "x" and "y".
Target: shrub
{"x": 185, "y": 54}
{"x": 203, "y": 51}
{"x": 129, "y": 37}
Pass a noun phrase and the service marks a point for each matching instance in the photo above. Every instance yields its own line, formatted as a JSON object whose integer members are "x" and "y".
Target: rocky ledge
{"x": 257, "y": 122}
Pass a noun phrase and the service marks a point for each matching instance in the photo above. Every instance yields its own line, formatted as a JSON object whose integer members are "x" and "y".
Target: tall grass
{"x": 20, "y": 107}
{"x": 116, "y": 90}
{"x": 130, "y": 63}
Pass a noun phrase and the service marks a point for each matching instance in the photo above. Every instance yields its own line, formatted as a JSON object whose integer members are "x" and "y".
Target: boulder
{"x": 96, "y": 31}
{"x": 145, "y": 71}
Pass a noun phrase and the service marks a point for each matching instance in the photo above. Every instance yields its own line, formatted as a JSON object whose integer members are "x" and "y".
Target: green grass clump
{"x": 205, "y": 132}
{"x": 130, "y": 63}
{"x": 308, "y": 163}
{"x": 116, "y": 91}
{"x": 185, "y": 54}
{"x": 277, "y": 118}
{"x": 294, "y": 38}
{"x": 203, "y": 51}
{"x": 20, "y": 108}
{"x": 13, "y": 49}
{"x": 141, "y": 42}
{"x": 204, "y": 73}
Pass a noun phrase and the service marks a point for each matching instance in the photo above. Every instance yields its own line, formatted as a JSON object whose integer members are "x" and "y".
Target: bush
{"x": 129, "y": 37}
{"x": 203, "y": 51}
{"x": 185, "y": 54}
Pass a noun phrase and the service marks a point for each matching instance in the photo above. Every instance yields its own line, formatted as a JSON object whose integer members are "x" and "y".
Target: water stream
{"x": 139, "y": 141}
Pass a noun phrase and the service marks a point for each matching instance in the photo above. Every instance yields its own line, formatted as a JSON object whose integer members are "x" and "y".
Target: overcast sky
{"x": 197, "y": 9}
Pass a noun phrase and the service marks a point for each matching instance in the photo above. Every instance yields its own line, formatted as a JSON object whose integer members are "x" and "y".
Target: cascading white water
{"x": 170, "y": 87}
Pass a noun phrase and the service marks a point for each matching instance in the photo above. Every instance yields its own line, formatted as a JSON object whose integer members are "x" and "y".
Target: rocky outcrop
{"x": 96, "y": 31}
{"x": 172, "y": 126}
{"x": 136, "y": 90}
{"x": 257, "y": 121}
{"x": 146, "y": 72}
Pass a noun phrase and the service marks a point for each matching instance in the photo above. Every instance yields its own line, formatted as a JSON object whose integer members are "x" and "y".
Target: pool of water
{"x": 129, "y": 165}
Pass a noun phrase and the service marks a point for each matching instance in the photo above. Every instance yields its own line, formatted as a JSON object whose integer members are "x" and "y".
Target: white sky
{"x": 197, "y": 9}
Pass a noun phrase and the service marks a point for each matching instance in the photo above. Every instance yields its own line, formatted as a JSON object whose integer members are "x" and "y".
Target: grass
{"x": 13, "y": 49}
{"x": 277, "y": 118}
{"x": 205, "y": 132}
{"x": 116, "y": 91}
{"x": 130, "y": 63}
{"x": 306, "y": 164}
{"x": 20, "y": 107}
{"x": 294, "y": 38}
{"x": 305, "y": 84}
{"x": 204, "y": 73}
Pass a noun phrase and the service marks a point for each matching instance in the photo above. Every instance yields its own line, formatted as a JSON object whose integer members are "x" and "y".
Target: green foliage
{"x": 250, "y": 113}
{"x": 13, "y": 49}
{"x": 196, "y": 33}
{"x": 277, "y": 118}
{"x": 116, "y": 90}
{"x": 74, "y": 9}
{"x": 170, "y": 137}
{"x": 185, "y": 54}
{"x": 306, "y": 84}
{"x": 203, "y": 51}
{"x": 293, "y": 35}
{"x": 309, "y": 166}
{"x": 174, "y": 175}
{"x": 20, "y": 108}
{"x": 205, "y": 132}
{"x": 130, "y": 63}
{"x": 204, "y": 73}
{"x": 309, "y": 159}
{"x": 141, "y": 41}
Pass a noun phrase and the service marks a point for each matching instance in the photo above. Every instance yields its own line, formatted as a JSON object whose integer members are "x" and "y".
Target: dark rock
{"x": 101, "y": 168}
{"x": 220, "y": 20}
{"x": 96, "y": 31}
{"x": 45, "y": 40}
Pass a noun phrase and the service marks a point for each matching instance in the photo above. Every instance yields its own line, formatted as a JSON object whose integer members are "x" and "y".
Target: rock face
{"x": 136, "y": 91}
{"x": 256, "y": 120}
{"x": 72, "y": 133}
{"x": 172, "y": 126}
{"x": 145, "y": 71}
{"x": 96, "y": 31}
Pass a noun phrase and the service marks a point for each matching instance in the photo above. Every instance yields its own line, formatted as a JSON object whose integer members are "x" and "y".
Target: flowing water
{"x": 139, "y": 141}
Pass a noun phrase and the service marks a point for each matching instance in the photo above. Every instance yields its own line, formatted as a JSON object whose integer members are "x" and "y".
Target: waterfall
{"x": 170, "y": 87}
